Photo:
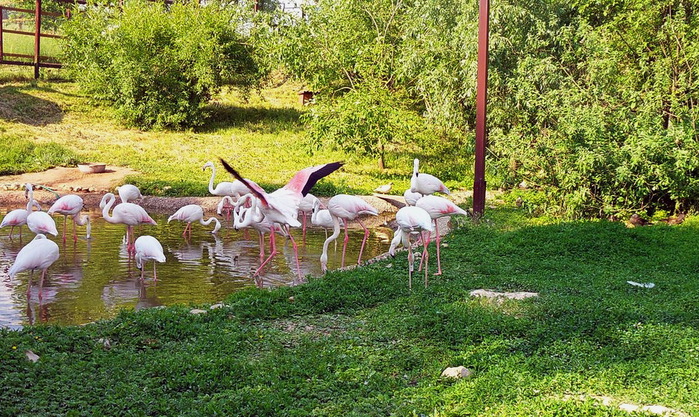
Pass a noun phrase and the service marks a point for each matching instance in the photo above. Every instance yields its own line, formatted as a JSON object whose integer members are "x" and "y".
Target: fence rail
{"x": 37, "y": 60}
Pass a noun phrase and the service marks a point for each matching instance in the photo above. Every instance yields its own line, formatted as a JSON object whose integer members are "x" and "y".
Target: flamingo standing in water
{"x": 70, "y": 205}
{"x": 40, "y": 253}
{"x": 425, "y": 184}
{"x": 438, "y": 207}
{"x": 411, "y": 220}
{"x": 38, "y": 221}
{"x": 18, "y": 217}
{"x": 147, "y": 248}
{"x": 282, "y": 206}
{"x": 347, "y": 208}
{"x": 128, "y": 214}
{"x": 193, "y": 213}
{"x": 244, "y": 217}
{"x": 306, "y": 208}
{"x": 233, "y": 189}
{"x": 128, "y": 192}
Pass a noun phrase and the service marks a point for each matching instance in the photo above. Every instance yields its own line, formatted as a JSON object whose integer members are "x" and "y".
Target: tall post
{"x": 37, "y": 37}
{"x": 481, "y": 105}
{"x": 2, "y": 13}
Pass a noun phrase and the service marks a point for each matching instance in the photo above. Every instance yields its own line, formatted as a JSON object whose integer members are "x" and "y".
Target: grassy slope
{"x": 262, "y": 137}
{"x": 359, "y": 343}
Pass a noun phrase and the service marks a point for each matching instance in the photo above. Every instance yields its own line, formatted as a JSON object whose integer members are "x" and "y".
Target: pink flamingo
{"x": 125, "y": 213}
{"x": 38, "y": 221}
{"x": 18, "y": 217}
{"x": 282, "y": 206}
{"x": 226, "y": 188}
{"x": 147, "y": 248}
{"x": 128, "y": 192}
{"x": 347, "y": 208}
{"x": 425, "y": 184}
{"x": 70, "y": 205}
{"x": 410, "y": 220}
{"x": 438, "y": 207}
{"x": 411, "y": 197}
{"x": 193, "y": 213}
{"x": 40, "y": 253}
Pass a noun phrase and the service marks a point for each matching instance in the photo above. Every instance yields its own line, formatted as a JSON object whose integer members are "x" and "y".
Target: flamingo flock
{"x": 273, "y": 213}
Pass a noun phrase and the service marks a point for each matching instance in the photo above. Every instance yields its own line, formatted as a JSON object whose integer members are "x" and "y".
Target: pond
{"x": 94, "y": 278}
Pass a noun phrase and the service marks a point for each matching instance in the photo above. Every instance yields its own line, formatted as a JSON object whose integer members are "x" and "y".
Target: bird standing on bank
{"x": 128, "y": 192}
{"x": 425, "y": 184}
{"x": 411, "y": 220}
{"x": 438, "y": 207}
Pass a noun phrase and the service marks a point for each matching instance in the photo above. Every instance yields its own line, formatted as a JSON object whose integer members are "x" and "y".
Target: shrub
{"x": 159, "y": 65}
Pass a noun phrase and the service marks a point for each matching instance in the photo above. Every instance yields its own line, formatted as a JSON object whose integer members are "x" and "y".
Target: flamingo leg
{"x": 75, "y": 232}
{"x": 143, "y": 268}
{"x": 12, "y": 229}
{"x": 271, "y": 255}
{"x": 41, "y": 284}
{"x": 426, "y": 242}
{"x": 296, "y": 253}
{"x": 410, "y": 264}
{"x": 437, "y": 239}
{"x": 29, "y": 283}
{"x": 304, "y": 227}
{"x": 366, "y": 236}
{"x": 344, "y": 246}
{"x": 155, "y": 275}
{"x": 261, "y": 241}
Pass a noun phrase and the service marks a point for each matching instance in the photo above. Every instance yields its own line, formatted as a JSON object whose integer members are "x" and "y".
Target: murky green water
{"x": 94, "y": 279}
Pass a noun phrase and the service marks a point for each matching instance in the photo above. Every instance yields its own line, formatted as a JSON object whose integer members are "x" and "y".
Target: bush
{"x": 158, "y": 65}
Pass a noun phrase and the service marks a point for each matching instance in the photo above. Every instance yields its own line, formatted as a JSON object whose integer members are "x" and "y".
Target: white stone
{"x": 628, "y": 407}
{"x": 197, "y": 311}
{"x": 511, "y": 295}
{"x": 456, "y": 372}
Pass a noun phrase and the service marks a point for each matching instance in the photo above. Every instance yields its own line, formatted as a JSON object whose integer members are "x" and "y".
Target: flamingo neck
{"x": 105, "y": 211}
{"x": 211, "y": 181}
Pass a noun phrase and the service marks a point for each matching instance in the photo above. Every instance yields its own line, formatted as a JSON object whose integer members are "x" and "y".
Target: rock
{"x": 457, "y": 372}
{"x": 521, "y": 295}
{"x": 31, "y": 356}
{"x": 628, "y": 407}
{"x": 197, "y": 311}
{"x": 215, "y": 306}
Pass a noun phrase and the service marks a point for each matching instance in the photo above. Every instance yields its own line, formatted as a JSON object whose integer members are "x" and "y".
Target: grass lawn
{"x": 359, "y": 343}
{"x": 261, "y": 136}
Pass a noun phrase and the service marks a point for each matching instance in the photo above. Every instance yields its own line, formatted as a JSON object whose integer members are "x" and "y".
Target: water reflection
{"x": 95, "y": 278}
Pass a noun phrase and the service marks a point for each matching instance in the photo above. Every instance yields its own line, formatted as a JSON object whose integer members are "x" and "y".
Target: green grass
{"x": 20, "y": 155}
{"x": 24, "y": 44}
{"x": 260, "y": 135}
{"x": 360, "y": 343}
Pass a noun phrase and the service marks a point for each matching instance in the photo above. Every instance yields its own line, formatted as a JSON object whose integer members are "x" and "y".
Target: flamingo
{"x": 244, "y": 217}
{"x": 38, "y": 221}
{"x": 425, "y": 184}
{"x": 40, "y": 253}
{"x": 128, "y": 192}
{"x": 18, "y": 217}
{"x": 411, "y": 197}
{"x": 410, "y": 220}
{"x": 70, "y": 205}
{"x": 125, "y": 213}
{"x": 347, "y": 208}
{"x": 193, "y": 213}
{"x": 438, "y": 207}
{"x": 282, "y": 206}
{"x": 147, "y": 248}
{"x": 322, "y": 218}
{"x": 233, "y": 189}
{"x": 306, "y": 208}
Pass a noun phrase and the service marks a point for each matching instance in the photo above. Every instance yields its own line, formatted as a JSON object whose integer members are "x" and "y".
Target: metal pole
{"x": 37, "y": 37}
{"x": 481, "y": 101}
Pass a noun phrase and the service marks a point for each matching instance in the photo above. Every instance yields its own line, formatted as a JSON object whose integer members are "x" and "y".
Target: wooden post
{"x": 37, "y": 37}
{"x": 481, "y": 106}
{"x": 1, "y": 19}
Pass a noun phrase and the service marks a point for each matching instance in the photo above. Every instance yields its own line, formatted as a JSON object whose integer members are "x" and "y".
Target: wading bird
{"x": 425, "y": 184}
{"x": 128, "y": 214}
{"x": 38, "y": 221}
{"x": 18, "y": 217}
{"x": 281, "y": 206}
{"x": 411, "y": 220}
{"x": 306, "y": 208}
{"x": 128, "y": 192}
{"x": 70, "y": 205}
{"x": 438, "y": 207}
{"x": 40, "y": 253}
{"x": 147, "y": 248}
{"x": 348, "y": 208}
{"x": 193, "y": 213}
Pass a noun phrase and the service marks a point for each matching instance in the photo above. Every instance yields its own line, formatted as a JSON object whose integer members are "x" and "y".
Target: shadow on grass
{"x": 17, "y": 106}
{"x": 255, "y": 119}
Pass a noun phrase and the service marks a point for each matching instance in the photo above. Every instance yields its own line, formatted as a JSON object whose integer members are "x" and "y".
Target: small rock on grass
{"x": 457, "y": 372}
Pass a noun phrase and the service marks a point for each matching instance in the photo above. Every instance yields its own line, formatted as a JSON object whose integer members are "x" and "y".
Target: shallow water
{"x": 94, "y": 279}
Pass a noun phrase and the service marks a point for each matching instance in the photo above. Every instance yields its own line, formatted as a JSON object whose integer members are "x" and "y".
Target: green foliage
{"x": 360, "y": 343}
{"x": 19, "y": 155}
{"x": 159, "y": 65}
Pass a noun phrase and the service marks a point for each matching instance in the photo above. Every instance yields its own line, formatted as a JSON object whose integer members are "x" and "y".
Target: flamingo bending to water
{"x": 193, "y": 213}
{"x": 40, "y": 253}
{"x": 425, "y": 184}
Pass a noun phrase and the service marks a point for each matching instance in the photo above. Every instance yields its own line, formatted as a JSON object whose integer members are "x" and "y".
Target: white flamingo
{"x": 193, "y": 213}
{"x": 438, "y": 207}
{"x": 347, "y": 208}
{"x": 128, "y": 192}
{"x": 147, "y": 248}
{"x": 425, "y": 184}
{"x": 128, "y": 214}
{"x": 411, "y": 220}
{"x": 40, "y": 254}
{"x": 71, "y": 205}
{"x": 18, "y": 217}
